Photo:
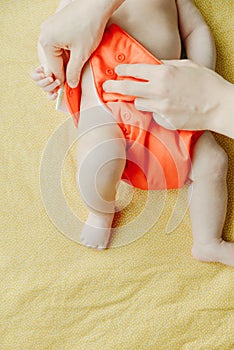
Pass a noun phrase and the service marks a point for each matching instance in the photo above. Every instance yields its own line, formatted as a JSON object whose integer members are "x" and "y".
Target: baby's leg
{"x": 101, "y": 161}
{"x": 209, "y": 202}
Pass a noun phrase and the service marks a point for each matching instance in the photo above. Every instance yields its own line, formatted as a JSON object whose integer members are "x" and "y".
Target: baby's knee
{"x": 210, "y": 161}
{"x": 101, "y": 169}
{"x": 100, "y": 184}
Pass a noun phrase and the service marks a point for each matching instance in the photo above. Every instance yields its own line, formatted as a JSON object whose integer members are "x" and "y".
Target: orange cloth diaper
{"x": 156, "y": 158}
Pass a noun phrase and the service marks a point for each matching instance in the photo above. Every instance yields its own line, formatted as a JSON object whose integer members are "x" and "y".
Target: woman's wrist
{"x": 102, "y": 9}
{"x": 112, "y": 4}
{"x": 106, "y": 7}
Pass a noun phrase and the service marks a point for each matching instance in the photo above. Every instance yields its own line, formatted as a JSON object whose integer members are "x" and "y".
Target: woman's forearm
{"x": 104, "y": 8}
{"x": 107, "y": 6}
{"x": 111, "y": 5}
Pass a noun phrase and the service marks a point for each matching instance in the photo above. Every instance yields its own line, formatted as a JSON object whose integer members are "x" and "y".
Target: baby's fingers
{"x": 52, "y": 95}
{"x": 48, "y": 84}
{"x": 38, "y": 74}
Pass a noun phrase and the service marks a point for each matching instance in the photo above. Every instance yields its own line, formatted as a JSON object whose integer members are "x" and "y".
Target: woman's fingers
{"x": 180, "y": 63}
{"x": 138, "y": 71}
{"x": 151, "y": 77}
{"x": 145, "y": 104}
{"x": 127, "y": 87}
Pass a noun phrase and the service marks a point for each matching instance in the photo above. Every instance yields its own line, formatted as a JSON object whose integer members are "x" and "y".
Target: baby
{"x": 117, "y": 142}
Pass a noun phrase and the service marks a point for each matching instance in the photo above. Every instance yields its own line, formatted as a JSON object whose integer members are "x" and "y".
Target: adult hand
{"x": 181, "y": 94}
{"x": 77, "y": 27}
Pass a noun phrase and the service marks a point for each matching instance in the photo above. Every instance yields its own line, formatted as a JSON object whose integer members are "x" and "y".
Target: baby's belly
{"x": 154, "y": 26}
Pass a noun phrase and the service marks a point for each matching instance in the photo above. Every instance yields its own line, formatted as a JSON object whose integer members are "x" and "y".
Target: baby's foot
{"x": 219, "y": 251}
{"x": 97, "y": 230}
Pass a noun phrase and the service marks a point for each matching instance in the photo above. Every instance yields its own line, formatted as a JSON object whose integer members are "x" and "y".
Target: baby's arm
{"x": 196, "y": 35}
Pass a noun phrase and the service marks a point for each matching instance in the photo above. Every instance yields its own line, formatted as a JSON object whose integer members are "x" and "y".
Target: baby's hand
{"x": 47, "y": 83}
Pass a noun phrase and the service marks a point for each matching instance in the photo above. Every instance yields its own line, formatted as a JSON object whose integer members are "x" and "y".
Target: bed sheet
{"x": 147, "y": 292}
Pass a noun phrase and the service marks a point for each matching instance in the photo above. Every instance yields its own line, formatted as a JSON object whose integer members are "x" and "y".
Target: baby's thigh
{"x": 208, "y": 158}
{"x": 98, "y": 132}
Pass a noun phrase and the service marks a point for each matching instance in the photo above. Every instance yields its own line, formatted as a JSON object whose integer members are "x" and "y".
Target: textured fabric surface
{"x": 145, "y": 293}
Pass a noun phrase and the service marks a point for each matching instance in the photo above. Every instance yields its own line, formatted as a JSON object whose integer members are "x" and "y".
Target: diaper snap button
{"x": 109, "y": 71}
{"x": 120, "y": 57}
{"x": 126, "y": 115}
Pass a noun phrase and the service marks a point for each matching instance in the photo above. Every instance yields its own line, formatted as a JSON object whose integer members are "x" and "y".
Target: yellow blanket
{"x": 145, "y": 293}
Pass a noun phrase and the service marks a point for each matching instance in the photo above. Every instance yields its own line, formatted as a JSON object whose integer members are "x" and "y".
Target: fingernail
{"x": 118, "y": 69}
{"x": 105, "y": 86}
